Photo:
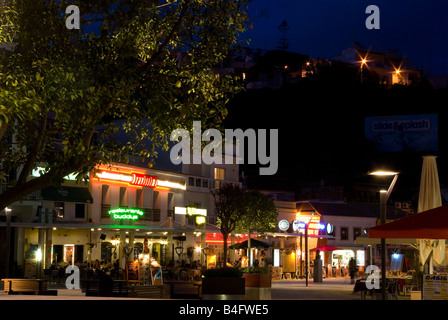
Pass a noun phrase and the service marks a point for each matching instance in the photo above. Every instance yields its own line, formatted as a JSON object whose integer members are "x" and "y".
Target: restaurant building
{"x": 123, "y": 211}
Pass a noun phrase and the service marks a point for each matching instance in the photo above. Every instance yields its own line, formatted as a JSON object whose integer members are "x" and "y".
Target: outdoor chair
{"x": 392, "y": 289}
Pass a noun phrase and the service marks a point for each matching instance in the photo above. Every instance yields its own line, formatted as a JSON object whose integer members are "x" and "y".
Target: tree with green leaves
{"x": 229, "y": 208}
{"x": 149, "y": 64}
{"x": 260, "y": 215}
{"x": 240, "y": 210}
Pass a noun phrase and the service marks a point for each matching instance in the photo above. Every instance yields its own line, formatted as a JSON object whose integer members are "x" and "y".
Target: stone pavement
{"x": 286, "y": 289}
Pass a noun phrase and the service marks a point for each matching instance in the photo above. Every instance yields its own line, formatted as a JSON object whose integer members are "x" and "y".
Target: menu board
{"x": 132, "y": 271}
{"x": 435, "y": 287}
{"x": 144, "y": 265}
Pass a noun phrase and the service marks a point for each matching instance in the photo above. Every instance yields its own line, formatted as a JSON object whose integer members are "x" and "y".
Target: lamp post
{"x": 8, "y": 240}
{"x": 363, "y": 62}
{"x": 384, "y": 196}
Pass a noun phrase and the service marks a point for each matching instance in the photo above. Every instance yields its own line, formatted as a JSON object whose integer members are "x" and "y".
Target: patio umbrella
{"x": 431, "y": 221}
{"x": 325, "y": 248}
{"x": 429, "y": 198}
{"x": 253, "y": 244}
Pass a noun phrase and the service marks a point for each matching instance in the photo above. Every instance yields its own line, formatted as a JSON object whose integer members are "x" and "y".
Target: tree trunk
{"x": 225, "y": 236}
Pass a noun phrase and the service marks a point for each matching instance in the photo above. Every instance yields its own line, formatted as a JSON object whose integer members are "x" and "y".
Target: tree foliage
{"x": 243, "y": 210}
{"x": 260, "y": 213}
{"x": 61, "y": 90}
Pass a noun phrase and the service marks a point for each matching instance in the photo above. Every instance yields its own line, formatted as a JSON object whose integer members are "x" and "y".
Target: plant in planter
{"x": 258, "y": 283}
{"x": 223, "y": 284}
{"x": 258, "y": 277}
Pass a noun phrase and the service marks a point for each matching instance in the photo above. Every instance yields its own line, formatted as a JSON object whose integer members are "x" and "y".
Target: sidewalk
{"x": 286, "y": 289}
{"x": 328, "y": 289}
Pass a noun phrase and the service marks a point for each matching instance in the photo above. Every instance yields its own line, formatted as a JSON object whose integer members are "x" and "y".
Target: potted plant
{"x": 258, "y": 283}
{"x": 417, "y": 278}
{"x": 225, "y": 283}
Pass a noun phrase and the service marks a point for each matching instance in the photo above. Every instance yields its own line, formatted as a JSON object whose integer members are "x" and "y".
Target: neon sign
{"x": 138, "y": 179}
{"x": 190, "y": 211}
{"x": 126, "y": 213}
{"x": 133, "y": 178}
{"x": 200, "y": 220}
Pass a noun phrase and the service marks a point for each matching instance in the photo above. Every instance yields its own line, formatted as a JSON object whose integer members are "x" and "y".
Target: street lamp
{"x": 384, "y": 196}
{"x": 8, "y": 239}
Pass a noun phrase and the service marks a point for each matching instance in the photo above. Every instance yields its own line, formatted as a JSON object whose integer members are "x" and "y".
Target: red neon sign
{"x": 133, "y": 178}
{"x": 144, "y": 180}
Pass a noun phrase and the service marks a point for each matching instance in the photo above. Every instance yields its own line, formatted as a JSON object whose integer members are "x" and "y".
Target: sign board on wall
{"x": 403, "y": 132}
{"x": 435, "y": 287}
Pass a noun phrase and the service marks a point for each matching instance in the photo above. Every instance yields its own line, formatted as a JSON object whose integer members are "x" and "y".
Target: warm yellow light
{"x": 383, "y": 173}
{"x": 198, "y": 249}
{"x": 364, "y": 61}
{"x": 397, "y": 71}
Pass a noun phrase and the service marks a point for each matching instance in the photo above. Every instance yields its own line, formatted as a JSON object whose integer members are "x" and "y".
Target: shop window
{"x": 59, "y": 209}
{"x": 58, "y": 253}
{"x": 344, "y": 233}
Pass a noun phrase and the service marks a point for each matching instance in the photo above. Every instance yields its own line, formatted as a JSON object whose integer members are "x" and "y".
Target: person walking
{"x": 352, "y": 270}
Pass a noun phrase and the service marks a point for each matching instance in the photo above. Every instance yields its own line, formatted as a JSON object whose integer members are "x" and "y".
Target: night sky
{"x": 417, "y": 29}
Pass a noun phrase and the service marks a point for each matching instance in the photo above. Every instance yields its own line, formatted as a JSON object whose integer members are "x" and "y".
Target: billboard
{"x": 403, "y": 133}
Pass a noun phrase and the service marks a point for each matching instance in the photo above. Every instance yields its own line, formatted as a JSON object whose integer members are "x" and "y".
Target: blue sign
{"x": 403, "y": 133}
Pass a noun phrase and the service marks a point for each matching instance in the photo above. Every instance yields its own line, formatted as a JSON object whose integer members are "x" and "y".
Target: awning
{"x": 253, "y": 244}
{"x": 396, "y": 241}
{"x": 430, "y": 224}
{"x": 67, "y": 194}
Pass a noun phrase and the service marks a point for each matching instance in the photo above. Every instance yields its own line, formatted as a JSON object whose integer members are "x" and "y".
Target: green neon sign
{"x": 126, "y": 213}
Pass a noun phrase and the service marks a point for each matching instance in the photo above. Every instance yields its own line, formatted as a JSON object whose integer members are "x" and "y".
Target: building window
{"x": 59, "y": 209}
{"x": 220, "y": 174}
{"x": 191, "y": 181}
{"x": 356, "y": 233}
{"x": 123, "y": 197}
{"x": 344, "y": 233}
{"x": 80, "y": 211}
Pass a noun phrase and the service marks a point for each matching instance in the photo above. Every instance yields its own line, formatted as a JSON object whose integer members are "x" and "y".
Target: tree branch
{"x": 32, "y": 155}
{"x": 170, "y": 36}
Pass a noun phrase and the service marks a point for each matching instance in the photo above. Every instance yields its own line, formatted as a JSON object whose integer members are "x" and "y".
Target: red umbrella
{"x": 429, "y": 224}
{"x": 325, "y": 248}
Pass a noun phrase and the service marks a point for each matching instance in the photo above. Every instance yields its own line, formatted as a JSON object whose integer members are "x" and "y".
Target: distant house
{"x": 388, "y": 65}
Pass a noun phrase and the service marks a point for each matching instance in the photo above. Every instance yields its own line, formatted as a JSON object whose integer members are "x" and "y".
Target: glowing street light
{"x": 384, "y": 196}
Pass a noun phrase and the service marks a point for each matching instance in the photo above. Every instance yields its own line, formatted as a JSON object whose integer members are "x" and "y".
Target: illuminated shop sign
{"x": 297, "y": 225}
{"x": 133, "y": 178}
{"x": 313, "y": 221}
{"x": 138, "y": 179}
{"x": 283, "y": 225}
{"x": 190, "y": 211}
{"x": 200, "y": 220}
{"x": 126, "y": 213}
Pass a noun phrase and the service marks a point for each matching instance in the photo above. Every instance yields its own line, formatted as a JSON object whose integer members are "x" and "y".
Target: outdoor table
{"x": 24, "y": 285}
{"x": 360, "y": 286}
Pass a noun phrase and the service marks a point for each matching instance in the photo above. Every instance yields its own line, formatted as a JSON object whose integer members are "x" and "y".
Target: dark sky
{"x": 418, "y": 29}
